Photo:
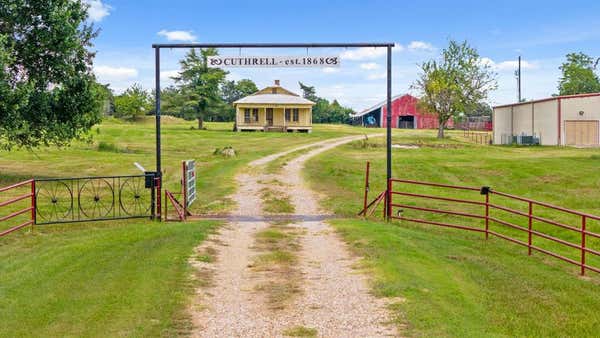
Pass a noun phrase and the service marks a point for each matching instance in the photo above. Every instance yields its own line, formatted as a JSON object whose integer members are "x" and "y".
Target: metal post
{"x": 519, "y": 80}
{"x": 33, "y": 206}
{"x": 184, "y": 180}
{"x": 529, "y": 227}
{"x": 583, "y": 219}
{"x": 366, "y": 188}
{"x": 157, "y": 183}
{"x": 157, "y": 118}
{"x": 389, "y": 131}
{"x": 487, "y": 215}
{"x": 157, "y": 108}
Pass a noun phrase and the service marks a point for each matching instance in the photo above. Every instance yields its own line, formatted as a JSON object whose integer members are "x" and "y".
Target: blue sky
{"x": 541, "y": 31}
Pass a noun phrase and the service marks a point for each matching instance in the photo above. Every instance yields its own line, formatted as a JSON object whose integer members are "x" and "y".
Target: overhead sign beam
{"x": 388, "y": 45}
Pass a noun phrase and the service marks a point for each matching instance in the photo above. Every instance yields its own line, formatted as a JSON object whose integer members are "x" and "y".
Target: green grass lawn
{"x": 455, "y": 283}
{"x": 127, "y": 278}
{"x": 117, "y": 144}
{"x": 120, "y": 278}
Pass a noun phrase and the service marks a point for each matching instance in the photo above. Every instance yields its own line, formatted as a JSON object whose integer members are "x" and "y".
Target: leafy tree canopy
{"x": 578, "y": 75}
{"x": 323, "y": 111}
{"x": 134, "y": 103}
{"x": 457, "y": 82}
{"x": 49, "y": 95}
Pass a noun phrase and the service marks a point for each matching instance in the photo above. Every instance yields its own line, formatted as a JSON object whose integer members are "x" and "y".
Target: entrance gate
{"x": 79, "y": 199}
{"x": 273, "y": 61}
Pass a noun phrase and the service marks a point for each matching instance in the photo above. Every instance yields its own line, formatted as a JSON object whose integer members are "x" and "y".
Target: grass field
{"x": 131, "y": 278}
{"x": 455, "y": 283}
{"x": 117, "y": 144}
{"x": 98, "y": 279}
{"x": 122, "y": 278}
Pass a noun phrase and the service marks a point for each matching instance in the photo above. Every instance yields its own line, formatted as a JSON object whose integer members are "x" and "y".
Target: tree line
{"x": 204, "y": 94}
{"x": 50, "y": 96}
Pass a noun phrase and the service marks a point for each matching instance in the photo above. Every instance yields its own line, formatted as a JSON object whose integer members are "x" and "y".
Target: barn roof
{"x": 378, "y": 105}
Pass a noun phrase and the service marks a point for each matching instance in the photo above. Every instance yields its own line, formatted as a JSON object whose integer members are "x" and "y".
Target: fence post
{"x": 487, "y": 215}
{"x": 158, "y": 198}
{"x": 33, "y": 206}
{"x": 366, "y": 187}
{"x": 529, "y": 226}
{"x": 583, "y": 219}
{"x": 388, "y": 204}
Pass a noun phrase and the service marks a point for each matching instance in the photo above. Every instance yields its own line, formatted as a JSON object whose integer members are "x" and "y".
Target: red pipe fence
{"x": 480, "y": 208}
{"x": 483, "y": 210}
{"x": 14, "y": 200}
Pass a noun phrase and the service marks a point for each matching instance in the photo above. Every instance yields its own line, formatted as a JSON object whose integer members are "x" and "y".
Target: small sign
{"x": 189, "y": 181}
{"x": 218, "y": 61}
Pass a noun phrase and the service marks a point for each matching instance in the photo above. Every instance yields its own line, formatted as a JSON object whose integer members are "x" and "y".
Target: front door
{"x": 269, "y": 116}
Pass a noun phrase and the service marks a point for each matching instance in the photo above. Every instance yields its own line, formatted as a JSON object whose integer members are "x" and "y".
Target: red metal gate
{"x": 555, "y": 231}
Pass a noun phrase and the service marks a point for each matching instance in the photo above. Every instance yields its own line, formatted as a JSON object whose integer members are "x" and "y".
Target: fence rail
{"x": 11, "y": 201}
{"x": 481, "y": 137}
{"x": 479, "y": 208}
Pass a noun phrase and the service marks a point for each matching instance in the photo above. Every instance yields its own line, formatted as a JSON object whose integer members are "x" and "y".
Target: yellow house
{"x": 273, "y": 108}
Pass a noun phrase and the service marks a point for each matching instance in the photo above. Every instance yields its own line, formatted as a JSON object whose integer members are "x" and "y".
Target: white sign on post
{"x": 189, "y": 182}
{"x": 219, "y": 61}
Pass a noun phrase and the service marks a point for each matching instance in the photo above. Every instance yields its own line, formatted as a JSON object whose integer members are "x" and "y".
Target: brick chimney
{"x": 277, "y": 82}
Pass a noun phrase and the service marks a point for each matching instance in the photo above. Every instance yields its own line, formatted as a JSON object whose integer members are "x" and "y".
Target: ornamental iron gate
{"x": 65, "y": 200}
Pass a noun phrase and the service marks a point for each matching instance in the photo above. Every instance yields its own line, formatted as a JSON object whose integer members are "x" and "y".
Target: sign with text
{"x": 219, "y": 61}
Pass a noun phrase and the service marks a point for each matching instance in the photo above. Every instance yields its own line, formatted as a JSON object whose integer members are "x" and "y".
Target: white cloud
{"x": 369, "y": 66}
{"x": 367, "y": 53}
{"x": 508, "y": 65}
{"x": 177, "y": 35}
{"x": 97, "y": 10}
{"x": 168, "y": 74}
{"x": 377, "y": 76}
{"x": 420, "y": 46}
{"x": 108, "y": 73}
{"x": 330, "y": 70}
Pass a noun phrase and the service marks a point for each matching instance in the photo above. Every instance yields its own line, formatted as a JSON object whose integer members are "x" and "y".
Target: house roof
{"x": 377, "y": 106}
{"x": 266, "y": 96}
{"x": 547, "y": 99}
{"x": 274, "y": 99}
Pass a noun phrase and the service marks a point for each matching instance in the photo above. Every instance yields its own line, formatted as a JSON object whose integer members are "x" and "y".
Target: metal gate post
{"x": 366, "y": 187}
{"x": 389, "y": 132}
{"x": 583, "y": 219}
{"x": 33, "y": 206}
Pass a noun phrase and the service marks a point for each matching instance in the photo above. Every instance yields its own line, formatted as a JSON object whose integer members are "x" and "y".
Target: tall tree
{"x": 199, "y": 85}
{"x": 134, "y": 103}
{"x": 48, "y": 93}
{"x": 455, "y": 83}
{"x": 578, "y": 75}
{"x": 308, "y": 92}
{"x": 233, "y": 91}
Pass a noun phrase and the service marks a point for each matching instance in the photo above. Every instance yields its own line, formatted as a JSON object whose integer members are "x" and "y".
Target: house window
{"x": 247, "y": 115}
{"x": 255, "y": 114}
{"x": 295, "y": 114}
{"x": 288, "y": 113}
{"x": 273, "y": 90}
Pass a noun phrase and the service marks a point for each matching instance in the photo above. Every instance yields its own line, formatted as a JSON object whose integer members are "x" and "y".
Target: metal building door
{"x": 582, "y": 133}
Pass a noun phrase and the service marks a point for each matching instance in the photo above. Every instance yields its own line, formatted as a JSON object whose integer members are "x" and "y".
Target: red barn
{"x": 405, "y": 115}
